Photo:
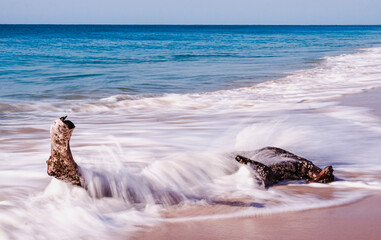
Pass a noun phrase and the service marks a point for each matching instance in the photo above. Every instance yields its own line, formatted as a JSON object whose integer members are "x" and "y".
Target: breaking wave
{"x": 142, "y": 155}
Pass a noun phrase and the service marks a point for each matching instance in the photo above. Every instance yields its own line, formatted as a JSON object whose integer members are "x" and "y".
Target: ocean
{"x": 160, "y": 112}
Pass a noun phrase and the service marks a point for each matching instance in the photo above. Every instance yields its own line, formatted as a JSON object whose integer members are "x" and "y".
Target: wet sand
{"x": 358, "y": 220}
{"x": 370, "y": 99}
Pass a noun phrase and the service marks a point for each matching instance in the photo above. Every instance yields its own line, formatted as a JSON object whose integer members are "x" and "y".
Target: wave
{"x": 143, "y": 154}
{"x": 334, "y": 76}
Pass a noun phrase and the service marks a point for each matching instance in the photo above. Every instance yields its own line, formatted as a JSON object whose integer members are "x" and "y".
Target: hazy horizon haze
{"x": 242, "y": 12}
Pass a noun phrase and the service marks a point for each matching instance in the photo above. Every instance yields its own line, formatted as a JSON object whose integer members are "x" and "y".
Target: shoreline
{"x": 370, "y": 99}
{"x": 355, "y": 220}
{"x": 161, "y": 113}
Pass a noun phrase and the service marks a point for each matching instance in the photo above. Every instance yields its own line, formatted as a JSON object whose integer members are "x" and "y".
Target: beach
{"x": 356, "y": 220}
{"x": 160, "y": 113}
{"x": 370, "y": 99}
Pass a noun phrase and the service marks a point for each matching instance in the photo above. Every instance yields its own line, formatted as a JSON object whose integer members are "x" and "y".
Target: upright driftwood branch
{"x": 61, "y": 164}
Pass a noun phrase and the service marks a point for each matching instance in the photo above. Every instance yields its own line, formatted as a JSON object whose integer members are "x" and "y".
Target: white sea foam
{"x": 140, "y": 155}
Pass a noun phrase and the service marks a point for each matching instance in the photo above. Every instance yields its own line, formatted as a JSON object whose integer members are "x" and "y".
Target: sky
{"x": 291, "y": 12}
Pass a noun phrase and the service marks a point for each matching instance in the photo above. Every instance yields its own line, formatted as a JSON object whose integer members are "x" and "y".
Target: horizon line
{"x": 186, "y": 24}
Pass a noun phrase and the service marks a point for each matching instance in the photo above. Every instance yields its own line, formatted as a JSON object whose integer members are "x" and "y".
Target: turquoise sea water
{"x": 160, "y": 112}
{"x": 94, "y": 61}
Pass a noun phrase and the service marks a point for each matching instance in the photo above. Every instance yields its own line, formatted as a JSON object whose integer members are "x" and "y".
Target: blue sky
{"x": 191, "y": 11}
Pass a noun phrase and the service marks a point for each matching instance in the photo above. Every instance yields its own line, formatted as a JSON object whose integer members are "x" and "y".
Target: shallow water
{"x": 158, "y": 151}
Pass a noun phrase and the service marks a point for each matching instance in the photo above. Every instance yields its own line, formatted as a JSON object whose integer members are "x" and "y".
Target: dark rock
{"x": 287, "y": 166}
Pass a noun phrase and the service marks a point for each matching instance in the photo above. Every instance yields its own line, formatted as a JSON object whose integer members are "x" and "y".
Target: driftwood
{"x": 288, "y": 167}
{"x": 61, "y": 164}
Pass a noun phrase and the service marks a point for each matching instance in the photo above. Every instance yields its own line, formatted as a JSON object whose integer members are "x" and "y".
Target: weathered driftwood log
{"x": 287, "y": 166}
{"x": 61, "y": 164}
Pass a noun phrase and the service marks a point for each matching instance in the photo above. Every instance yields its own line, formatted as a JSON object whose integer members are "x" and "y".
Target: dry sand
{"x": 358, "y": 220}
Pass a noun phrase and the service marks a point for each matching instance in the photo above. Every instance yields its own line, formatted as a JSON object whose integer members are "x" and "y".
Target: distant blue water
{"x": 94, "y": 61}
